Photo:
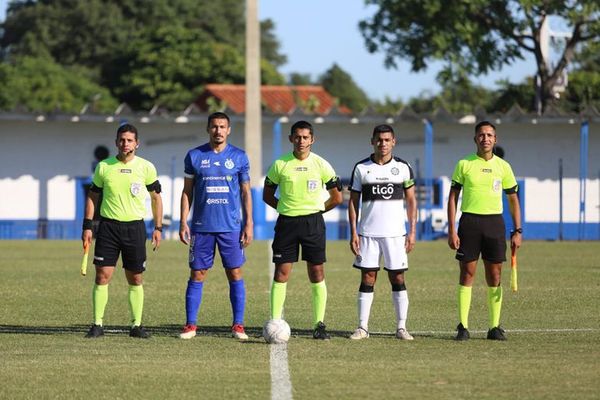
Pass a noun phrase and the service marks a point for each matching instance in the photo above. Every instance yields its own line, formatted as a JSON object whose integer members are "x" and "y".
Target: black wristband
{"x": 87, "y": 224}
{"x": 515, "y": 231}
{"x": 158, "y": 228}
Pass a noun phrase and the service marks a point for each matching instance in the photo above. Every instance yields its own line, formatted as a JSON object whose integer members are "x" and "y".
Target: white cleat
{"x": 238, "y": 332}
{"x": 189, "y": 331}
{"x": 359, "y": 333}
{"x": 402, "y": 334}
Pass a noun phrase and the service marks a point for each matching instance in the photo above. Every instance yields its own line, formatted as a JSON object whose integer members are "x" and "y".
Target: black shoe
{"x": 320, "y": 332}
{"x": 95, "y": 331}
{"x": 139, "y": 332}
{"x": 496, "y": 333}
{"x": 463, "y": 333}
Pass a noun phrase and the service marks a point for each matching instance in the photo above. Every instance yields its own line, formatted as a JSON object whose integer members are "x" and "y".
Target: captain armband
{"x": 154, "y": 187}
{"x": 456, "y": 186}
{"x": 270, "y": 183}
{"x": 95, "y": 189}
{"x": 512, "y": 190}
{"x": 335, "y": 182}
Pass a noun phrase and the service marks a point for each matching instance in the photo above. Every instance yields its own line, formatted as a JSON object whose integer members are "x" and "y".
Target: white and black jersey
{"x": 382, "y": 190}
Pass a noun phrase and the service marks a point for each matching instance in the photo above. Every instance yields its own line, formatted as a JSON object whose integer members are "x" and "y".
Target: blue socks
{"x": 237, "y": 296}
{"x": 193, "y": 298}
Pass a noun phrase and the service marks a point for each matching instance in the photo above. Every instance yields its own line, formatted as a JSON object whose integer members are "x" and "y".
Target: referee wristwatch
{"x": 515, "y": 231}
{"x": 158, "y": 228}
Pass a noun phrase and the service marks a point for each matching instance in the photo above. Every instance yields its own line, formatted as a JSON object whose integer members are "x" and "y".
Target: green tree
{"x": 424, "y": 103}
{"x": 341, "y": 85}
{"x": 86, "y": 32}
{"x": 387, "y": 106}
{"x": 477, "y": 35}
{"x": 171, "y": 66}
{"x": 71, "y": 31}
{"x": 583, "y": 90}
{"x": 584, "y": 81}
{"x": 459, "y": 95}
{"x": 270, "y": 48}
{"x": 145, "y": 52}
{"x": 510, "y": 94}
{"x": 299, "y": 79}
{"x": 41, "y": 85}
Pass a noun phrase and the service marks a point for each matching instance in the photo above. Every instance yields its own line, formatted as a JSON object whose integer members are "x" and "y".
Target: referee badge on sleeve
{"x": 135, "y": 188}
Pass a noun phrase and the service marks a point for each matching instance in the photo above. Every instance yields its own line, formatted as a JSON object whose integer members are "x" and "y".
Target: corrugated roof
{"x": 275, "y": 99}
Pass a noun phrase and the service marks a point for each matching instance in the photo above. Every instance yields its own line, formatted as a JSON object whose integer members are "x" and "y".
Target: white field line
{"x": 281, "y": 385}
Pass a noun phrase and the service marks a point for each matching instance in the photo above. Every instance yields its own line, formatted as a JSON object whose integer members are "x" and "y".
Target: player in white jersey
{"x": 384, "y": 183}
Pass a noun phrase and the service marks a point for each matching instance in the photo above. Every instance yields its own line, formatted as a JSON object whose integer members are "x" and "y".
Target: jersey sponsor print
{"x": 382, "y": 192}
{"x": 217, "y": 195}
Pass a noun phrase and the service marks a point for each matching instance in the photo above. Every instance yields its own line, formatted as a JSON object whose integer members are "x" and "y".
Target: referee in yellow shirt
{"x": 482, "y": 177}
{"x": 300, "y": 176}
{"x": 125, "y": 182}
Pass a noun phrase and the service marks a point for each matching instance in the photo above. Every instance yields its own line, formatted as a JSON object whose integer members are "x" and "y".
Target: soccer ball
{"x": 276, "y": 331}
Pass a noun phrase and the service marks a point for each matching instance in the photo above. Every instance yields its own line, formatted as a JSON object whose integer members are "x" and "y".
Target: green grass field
{"x": 552, "y": 323}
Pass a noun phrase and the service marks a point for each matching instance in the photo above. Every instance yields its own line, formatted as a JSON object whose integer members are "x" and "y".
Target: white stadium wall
{"x": 43, "y": 164}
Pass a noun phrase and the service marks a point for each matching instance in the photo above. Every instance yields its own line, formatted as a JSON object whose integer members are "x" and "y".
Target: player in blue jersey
{"x": 217, "y": 183}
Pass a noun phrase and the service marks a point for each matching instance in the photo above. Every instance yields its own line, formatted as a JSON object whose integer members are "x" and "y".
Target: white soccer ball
{"x": 276, "y": 331}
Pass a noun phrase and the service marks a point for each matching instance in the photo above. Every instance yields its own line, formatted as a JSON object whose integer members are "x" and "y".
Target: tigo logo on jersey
{"x": 385, "y": 192}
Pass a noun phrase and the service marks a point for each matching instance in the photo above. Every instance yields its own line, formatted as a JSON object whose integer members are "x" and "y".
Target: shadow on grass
{"x": 173, "y": 330}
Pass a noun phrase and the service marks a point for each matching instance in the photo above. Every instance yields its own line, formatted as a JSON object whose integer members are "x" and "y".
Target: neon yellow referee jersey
{"x": 300, "y": 183}
{"x": 482, "y": 183}
{"x": 123, "y": 186}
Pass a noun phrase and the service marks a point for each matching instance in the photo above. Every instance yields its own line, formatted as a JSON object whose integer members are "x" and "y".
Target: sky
{"x": 315, "y": 34}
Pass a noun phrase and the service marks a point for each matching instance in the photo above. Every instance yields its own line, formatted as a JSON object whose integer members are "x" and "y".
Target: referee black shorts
{"x": 305, "y": 230}
{"x": 128, "y": 238}
{"x": 481, "y": 234}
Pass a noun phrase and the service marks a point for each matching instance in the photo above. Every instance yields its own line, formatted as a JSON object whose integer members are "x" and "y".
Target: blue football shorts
{"x": 203, "y": 246}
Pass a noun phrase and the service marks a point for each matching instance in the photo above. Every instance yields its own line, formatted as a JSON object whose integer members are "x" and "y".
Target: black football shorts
{"x": 481, "y": 234}
{"x": 126, "y": 238}
{"x": 307, "y": 231}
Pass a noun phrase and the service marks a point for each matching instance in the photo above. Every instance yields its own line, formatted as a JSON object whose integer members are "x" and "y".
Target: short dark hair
{"x": 498, "y": 151}
{"x": 127, "y": 128}
{"x": 484, "y": 123}
{"x": 217, "y": 115}
{"x": 383, "y": 128}
{"x": 302, "y": 125}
